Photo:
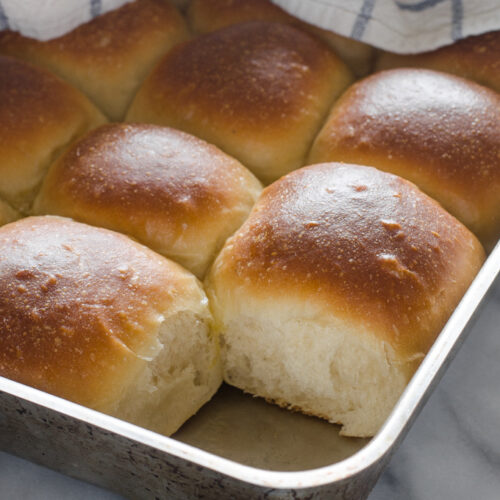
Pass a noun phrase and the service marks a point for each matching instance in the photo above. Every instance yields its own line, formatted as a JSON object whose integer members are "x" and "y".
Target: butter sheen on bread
{"x": 440, "y": 131}
{"x": 210, "y": 15}
{"x": 259, "y": 91}
{"x": 39, "y": 116}
{"x": 173, "y": 192}
{"x": 108, "y": 57}
{"x": 93, "y": 317}
{"x": 334, "y": 289}
{"x": 331, "y": 293}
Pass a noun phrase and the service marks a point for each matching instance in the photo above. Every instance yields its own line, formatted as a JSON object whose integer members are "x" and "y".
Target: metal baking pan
{"x": 236, "y": 446}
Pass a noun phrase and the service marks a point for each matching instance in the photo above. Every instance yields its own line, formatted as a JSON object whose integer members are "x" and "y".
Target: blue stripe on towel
{"x": 95, "y": 8}
{"x": 458, "y": 15}
{"x": 362, "y": 19}
{"x": 419, "y": 6}
{"x": 4, "y": 21}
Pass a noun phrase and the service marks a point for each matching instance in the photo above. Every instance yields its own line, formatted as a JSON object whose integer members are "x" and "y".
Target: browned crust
{"x": 210, "y": 15}
{"x": 145, "y": 170}
{"x": 155, "y": 183}
{"x": 39, "y": 115}
{"x": 474, "y": 57}
{"x": 104, "y": 40}
{"x": 440, "y": 131}
{"x": 31, "y": 99}
{"x": 252, "y": 76}
{"x": 259, "y": 91}
{"x": 108, "y": 57}
{"x": 367, "y": 245}
{"x": 78, "y": 304}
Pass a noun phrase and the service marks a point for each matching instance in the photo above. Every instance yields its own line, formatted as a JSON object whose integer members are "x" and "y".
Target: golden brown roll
{"x": 439, "y": 131}
{"x": 173, "y": 192}
{"x": 334, "y": 289}
{"x": 39, "y": 116}
{"x": 210, "y": 15}
{"x": 7, "y": 213}
{"x": 259, "y": 91}
{"x": 91, "y": 316}
{"x": 475, "y": 57}
{"x": 108, "y": 57}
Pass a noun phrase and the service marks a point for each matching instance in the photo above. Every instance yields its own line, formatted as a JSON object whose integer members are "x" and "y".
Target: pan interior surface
{"x": 253, "y": 432}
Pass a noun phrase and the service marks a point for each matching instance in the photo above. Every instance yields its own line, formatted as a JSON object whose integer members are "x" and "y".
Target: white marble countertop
{"x": 452, "y": 451}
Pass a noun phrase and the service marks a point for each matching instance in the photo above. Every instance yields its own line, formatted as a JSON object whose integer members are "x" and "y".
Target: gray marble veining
{"x": 453, "y": 450}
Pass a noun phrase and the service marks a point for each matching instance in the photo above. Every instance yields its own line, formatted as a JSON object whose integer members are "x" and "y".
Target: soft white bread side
{"x": 333, "y": 290}
{"x": 173, "y": 192}
{"x": 91, "y": 316}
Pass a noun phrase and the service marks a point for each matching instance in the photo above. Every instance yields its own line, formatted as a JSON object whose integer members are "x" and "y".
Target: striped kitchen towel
{"x": 45, "y": 19}
{"x": 403, "y": 26}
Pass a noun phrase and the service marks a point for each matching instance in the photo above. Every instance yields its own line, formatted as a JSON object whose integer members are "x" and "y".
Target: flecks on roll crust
{"x": 77, "y": 303}
{"x": 31, "y": 99}
{"x": 440, "y": 131}
{"x": 443, "y": 124}
{"x": 39, "y": 115}
{"x": 149, "y": 169}
{"x": 172, "y": 191}
{"x": 210, "y": 15}
{"x": 108, "y": 57}
{"x": 365, "y": 240}
{"x": 253, "y": 74}
{"x": 99, "y": 41}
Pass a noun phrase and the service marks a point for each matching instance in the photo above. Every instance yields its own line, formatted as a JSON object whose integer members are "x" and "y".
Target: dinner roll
{"x": 475, "y": 57}
{"x": 39, "y": 116}
{"x": 209, "y": 15}
{"x": 173, "y": 192}
{"x": 259, "y": 91}
{"x": 91, "y": 316}
{"x": 108, "y": 57}
{"x": 439, "y": 131}
{"x": 7, "y": 213}
{"x": 333, "y": 290}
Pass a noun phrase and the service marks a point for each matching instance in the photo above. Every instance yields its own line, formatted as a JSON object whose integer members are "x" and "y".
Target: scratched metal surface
{"x": 236, "y": 447}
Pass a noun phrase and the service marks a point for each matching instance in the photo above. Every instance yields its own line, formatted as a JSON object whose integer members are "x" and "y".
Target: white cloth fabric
{"x": 403, "y": 26}
{"x": 46, "y": 19}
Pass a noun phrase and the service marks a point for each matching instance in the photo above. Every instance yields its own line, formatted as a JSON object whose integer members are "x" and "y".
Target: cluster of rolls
{"x": 134, "y": 151}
